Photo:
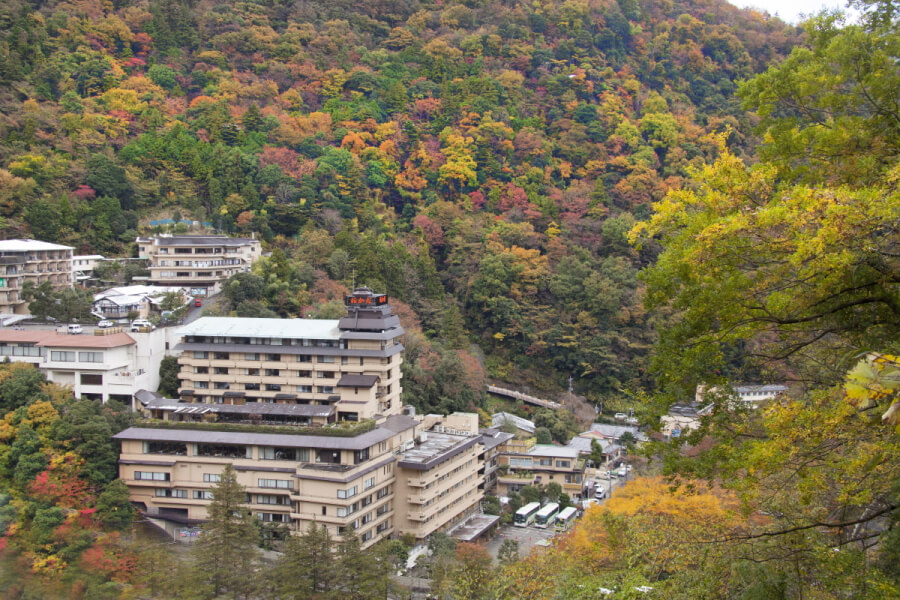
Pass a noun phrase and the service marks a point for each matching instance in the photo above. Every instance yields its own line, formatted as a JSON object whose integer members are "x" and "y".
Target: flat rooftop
{"x": 437, "y": 448}
{"x": 312, "y": 329}
{"x": 474, "y": 527}
{"x": 197, "y": 240}
{"x": 26, "y": 245}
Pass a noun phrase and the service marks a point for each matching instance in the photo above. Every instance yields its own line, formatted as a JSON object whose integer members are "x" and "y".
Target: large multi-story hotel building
{"x": 34, "y": 261}
{"x": 197, "y": 262}
{"x": 349, "y": 367}
{"x": 308, "y": 413}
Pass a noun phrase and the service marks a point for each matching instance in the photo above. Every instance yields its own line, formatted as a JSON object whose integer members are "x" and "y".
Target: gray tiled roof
{"x": 363, "y": 381}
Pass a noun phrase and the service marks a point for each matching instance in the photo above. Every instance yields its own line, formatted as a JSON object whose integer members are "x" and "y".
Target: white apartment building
{"x": 101, "y": 367}
{"x": 34, "y": 261}
{"x": 198, "y": 262}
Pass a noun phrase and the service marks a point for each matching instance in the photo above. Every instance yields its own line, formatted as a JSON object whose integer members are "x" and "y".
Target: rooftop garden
{"x": 341, "y": 429}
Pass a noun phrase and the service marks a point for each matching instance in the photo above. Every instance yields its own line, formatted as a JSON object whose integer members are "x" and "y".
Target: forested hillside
{"x": 481, "y": 161}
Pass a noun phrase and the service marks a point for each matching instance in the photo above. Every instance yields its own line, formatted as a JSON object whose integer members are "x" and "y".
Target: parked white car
{"x": 74, "y": 328}
{"x": 105, "y": 324}
{"x": 139, "y": 324}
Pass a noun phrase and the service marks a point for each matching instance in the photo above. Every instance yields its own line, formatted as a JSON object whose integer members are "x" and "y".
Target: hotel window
{"x": 273, "y": 387}
{"x": 369, "y": 483}
{"x": 304, "y": 389}
{"x": 202, "y": 385}
{"x": 348, "y": 493}
{"x": 92, "y": 357}
{"x": 251, "y": 356}
{"x": 202, "y": 495}
{"x": 212, "y": 477}
{"x": 272, "y": 499}
{"x": 325, "y": 359}
{"x": 91, "y": 379}
{"x": 304, "y": 373}
{"x": 563, "y": 464}
{"x": 58, "y": 356}
{"x": 201, "y": 370}
{"x": 223, "y": 450}
{"x": 325, "y": 374}
{"x": 284, "y": 484}
{"x": 345, "y": 360}
{"x": 383, "y": 492}
{"x": 272, "y": 373}
{"x": 174, "y": 448}
{"x": 273, "y": 517}
{"x": 329, "y": 456}
{"x": 198, "y": 354}
{"x": 251, "y": 386}
{"x": 165, "y": 493}
{"x": 366, "y": 536}
{"x": 151, "y": 476}
{"x": 219, "y": 385}
{"x": 326, "y": 389}
{"x": 252, "y": 372}
{"x": 220, "y": 355}
{"x": 273, "y": 357}
{"x": 304, "y": 358}
{"x": 360, "y": 456}
{"x": 221, "y": 370}
{"x": 280, "y": 453}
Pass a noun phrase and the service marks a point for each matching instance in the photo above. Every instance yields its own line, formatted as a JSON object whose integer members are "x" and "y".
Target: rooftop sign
{"x": 379, "y": 300}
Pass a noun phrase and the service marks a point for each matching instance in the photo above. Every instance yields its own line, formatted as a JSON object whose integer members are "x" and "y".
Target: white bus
{"x": 546, "y": 516}
{"x": 566, "y": 518}
{"x": 526, "y": 514}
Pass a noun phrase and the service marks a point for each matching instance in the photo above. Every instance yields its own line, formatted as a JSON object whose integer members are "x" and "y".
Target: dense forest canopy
{"x": 637, "y": 195}
{"x": 480, "y": 161}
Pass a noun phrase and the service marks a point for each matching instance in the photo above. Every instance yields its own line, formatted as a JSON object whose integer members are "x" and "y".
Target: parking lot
{"x": 528, "y": 538}
{"x": 531, "y": 536}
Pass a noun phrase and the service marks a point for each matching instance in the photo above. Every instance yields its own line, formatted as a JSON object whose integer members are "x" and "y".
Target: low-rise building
{"x": 32, "y": 261}
{"x": 83, "y": 266}
{"x": 199, "y": 263}
{"x": 540, "y": 464}
{"x": 101, "y": 367}
{"x": 501, "y": 420}
{"x": 682, "y": 418}
{"x": 135, "y": 301}
{"x": 750, "y": 396}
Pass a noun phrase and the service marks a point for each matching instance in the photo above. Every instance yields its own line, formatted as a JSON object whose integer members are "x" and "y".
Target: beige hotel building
{"x": 308, "y": 412}
{"x": 199, "y": 263}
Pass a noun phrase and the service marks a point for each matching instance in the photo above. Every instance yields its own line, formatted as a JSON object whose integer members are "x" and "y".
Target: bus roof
{"x": 567, "y": 512}
{"x": 528, "y": 508}
{"x": 549, "y": 509}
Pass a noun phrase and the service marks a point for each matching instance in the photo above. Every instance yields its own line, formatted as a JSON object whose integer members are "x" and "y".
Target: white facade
{"x": 105, "y": 367}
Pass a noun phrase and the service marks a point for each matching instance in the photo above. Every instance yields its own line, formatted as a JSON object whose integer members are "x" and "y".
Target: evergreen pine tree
{"x": 308, "y": 567}
{"x": 226, "y": 553}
